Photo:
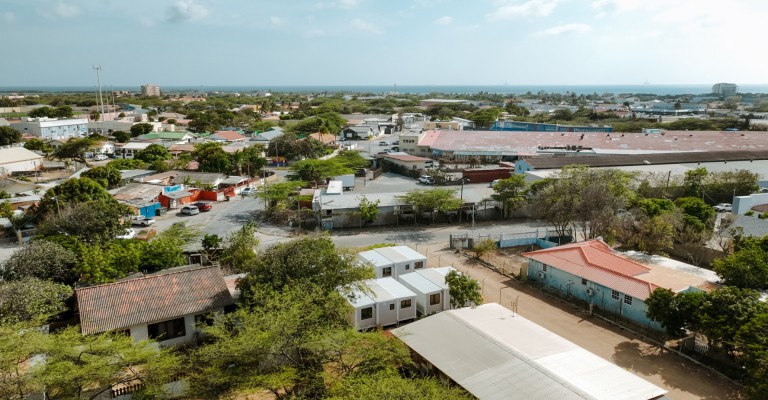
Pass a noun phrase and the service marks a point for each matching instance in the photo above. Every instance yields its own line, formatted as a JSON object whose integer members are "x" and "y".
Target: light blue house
{"x": 592, "y": 272}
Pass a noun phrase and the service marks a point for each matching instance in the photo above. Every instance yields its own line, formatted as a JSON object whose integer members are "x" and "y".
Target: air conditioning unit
{"x": 590, "y": 292}
{"x": 541, "y": 275}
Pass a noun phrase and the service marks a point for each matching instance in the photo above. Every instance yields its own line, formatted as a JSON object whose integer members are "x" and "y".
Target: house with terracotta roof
{"x": 591, "y": 271}
{"x": 226, "y": 136}
{"x": 166, "y": 306}
{"x": 406, "y": 161}
{"x": 324, "y": 138}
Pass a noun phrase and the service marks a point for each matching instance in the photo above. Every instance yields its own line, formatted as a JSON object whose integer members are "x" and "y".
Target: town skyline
{"x": 359, "y": 42}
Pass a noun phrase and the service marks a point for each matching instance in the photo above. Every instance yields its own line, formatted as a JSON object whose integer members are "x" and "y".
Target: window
{"x": 405, "y": 303}
{"x": 583, "y": 281}
{"x": 204, "y": 319}
{"x": 386, "y": 271}
{"x": 167, "y": 329}
{"x": 627, "y": 300}
{"x": 366, "y": 313}
{"x": 615, "y": 294}
{"x": 392, "y": 306}
{"x": 419, "y": 264}
{"x": 544, "y": 267}
{"x": 434, "y": 299}
{"x": 407, "y": 267}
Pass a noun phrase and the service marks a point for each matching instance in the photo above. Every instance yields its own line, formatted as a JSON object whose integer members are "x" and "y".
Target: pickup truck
{"x": 724, "y": 207}
{"x": 142, "y": 220}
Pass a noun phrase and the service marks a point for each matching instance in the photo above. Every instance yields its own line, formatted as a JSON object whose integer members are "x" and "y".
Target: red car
{"x": 203, "y": 206}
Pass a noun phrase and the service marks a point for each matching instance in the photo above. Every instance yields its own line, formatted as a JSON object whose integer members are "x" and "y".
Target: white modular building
{"x": 432, "y": 294}
{"x": 53, "y": 128}
{"x": 393, "y": 261}
{"x": 386, "y": 302}
{"x": 19, "y": 159}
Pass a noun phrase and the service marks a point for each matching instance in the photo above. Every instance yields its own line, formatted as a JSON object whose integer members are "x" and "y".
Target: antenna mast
{"x": 97, "y": 68}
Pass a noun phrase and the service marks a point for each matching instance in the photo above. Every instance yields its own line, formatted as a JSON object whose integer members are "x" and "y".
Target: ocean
{"x": 659, "y": 90}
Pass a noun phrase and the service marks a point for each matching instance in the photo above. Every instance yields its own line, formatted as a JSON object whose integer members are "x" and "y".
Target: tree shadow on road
{"x": 646, "y": 360}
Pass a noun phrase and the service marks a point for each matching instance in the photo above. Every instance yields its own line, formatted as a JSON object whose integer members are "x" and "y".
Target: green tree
{"x": 212, "y": 246}
{"x": 369, "y": 210}
{"x": 352, "y": 159}
{"x": 74, "y": 149}
{"x": 464, "y": 290}
{"x": 277, "y": 195}
{"x": 484, "y": 118}
{"x": 153, "y": 152}
{"x": 694, "y": 181}
{"x": 95, "y": 115}
{"x": 310, "y": 260}
{"x": 121, "y": 136}
{"x": 438, "y": 199}
{"x": 107, "y": 176}
{"x": 32, "y": 300}
{"x": 104, "y": 263}
{"x": 752, "y": 344}
{"x": 317, "y": 170}
{"x": 239, "y": 249}
{"x": 141, "y": 128}
{"x": 675, "y": 312}
{"x": 76, "y": 364}
{"x": 511, "y": 193}
{"x": 39, "y": 145}
{"x": 21, "y": 343}
{"x": 745, "y": 268}
{"x": 127, "y": 163}
{"x": 9, "y": 136}
{"x": 94, "y": 221}
{"x": 212, "y": 157}
{"x": 393, "y": 386}
{"x": 43, "y": 260}
{"x": 483, "y": 247}
{"x": 249, "y": 160}
{"x": 701, "y": 213}
{"x": 725, "y": 311}
{"x": 166, "y": 250}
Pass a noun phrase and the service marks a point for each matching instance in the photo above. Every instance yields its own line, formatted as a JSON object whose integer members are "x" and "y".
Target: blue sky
{"x": 381, "y": 42}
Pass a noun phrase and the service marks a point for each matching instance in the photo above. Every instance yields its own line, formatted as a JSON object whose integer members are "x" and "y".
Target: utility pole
{"x": 97, "y": 68}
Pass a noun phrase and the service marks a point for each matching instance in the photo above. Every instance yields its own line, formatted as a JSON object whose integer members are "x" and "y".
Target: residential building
{"x": 393, "y": 261}
{"x": 591, "y": 271}
{"x": 53, "y": 128}
{"x": 724, "y": 89}
{"x": 494, "y": 353}
{"x": 165, "y": 306}
{"x": 324, "y": 138}
{"x": 406, "y": 162}
{"x": 432, "y": 293}
{"x": 359, "y": 132}
{"x": 225, "y": 136}
{"x": 19, "y": 159}
{"x": 386, "y": 302}
{"x": 150, "y": 90}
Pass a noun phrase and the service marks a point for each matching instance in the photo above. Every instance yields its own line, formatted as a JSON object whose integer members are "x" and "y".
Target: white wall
{"x": 386, "y": 316}
{"x": 19, "y": 166}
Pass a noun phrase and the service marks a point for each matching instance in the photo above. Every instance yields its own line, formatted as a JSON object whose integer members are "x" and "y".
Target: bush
{"x": 749, "y": 213}
{"x": 762, "y": 216}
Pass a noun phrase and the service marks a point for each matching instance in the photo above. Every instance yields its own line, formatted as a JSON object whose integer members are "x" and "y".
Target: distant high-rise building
{"x": 150, "y": 90}
{"x": 724, "y": 89}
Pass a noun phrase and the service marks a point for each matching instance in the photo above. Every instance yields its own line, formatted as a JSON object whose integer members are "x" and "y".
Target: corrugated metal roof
{"x": 420, "y": 282}
{"x": 374, "y": 258}
{"x": 151, "y": 298}
{"x": 17, "y": 154}
{"x": 395, "y": 288}
{"x": 435, "y": 276}
{"x": 495, "y": 355}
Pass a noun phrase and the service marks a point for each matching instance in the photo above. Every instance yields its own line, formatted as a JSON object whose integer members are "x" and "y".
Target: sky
{"x": 382, "y": 42}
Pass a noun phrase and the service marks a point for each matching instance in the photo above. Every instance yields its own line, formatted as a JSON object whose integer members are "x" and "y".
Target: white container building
{"x": 393, "y": 261}
{"x": 385, "y": 303}
{"x": 432, "y": 294}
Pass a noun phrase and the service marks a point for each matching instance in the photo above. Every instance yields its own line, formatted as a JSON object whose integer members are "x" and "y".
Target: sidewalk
{"x": 683, "y": 379}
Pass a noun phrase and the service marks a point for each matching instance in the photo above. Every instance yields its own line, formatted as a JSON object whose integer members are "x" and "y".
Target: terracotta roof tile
{"x": 595, "y": 261}
{"x": 152, "y": 298}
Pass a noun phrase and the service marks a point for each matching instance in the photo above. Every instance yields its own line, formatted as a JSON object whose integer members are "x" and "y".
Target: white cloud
{"x": 8, "y": 17}
{"x": 314, "y": 33}
{"x": 276, "y": 21}
{"x": 364, "y": 26}
{"x": 348, "y": 3}
{"x": 60, "y": 10}
{"x": 564, "y": 29}
{"x": 186, "y": 10}
{"x": 345, "y": 4}
{"x": 530, "y": 8}
{"x": 446, "y": 20}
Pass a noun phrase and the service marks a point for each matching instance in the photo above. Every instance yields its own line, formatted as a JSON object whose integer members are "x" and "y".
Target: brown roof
{"x": 152, "y": 298}
{"x": 405, "y": 157}
{"x": 229, "y": 135}
{"x": 324, "y": 138}
{"x": 618, "y": 160}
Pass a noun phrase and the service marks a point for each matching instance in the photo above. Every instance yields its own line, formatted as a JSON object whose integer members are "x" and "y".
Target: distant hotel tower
{"x": 150, "y": 90}
{"x": 724, "y": 89}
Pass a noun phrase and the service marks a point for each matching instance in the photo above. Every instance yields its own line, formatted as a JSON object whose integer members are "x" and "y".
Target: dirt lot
{"x": 683, "y": 379}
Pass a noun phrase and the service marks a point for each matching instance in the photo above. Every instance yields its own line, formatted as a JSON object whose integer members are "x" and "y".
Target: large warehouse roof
{"x": 494, "y": 354}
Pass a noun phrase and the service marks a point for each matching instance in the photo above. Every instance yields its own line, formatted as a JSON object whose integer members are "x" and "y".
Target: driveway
{"x": 683, "y": 379}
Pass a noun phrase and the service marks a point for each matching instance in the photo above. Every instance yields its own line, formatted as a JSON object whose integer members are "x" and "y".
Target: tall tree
{"x": 43, "y": 260}
{"x": 141, "y": 128}
{"x": 153, "y": 152}
{"x": 9, "y": 136}
{"x": 94, "y": 221}
{"x": 212, "y": 157}
{"x": 511, "y": 193}
{"x": 464, "y": 290}
{"x": 438, "y": 199}
{"x": 32, "y": 300}
{"x": 107, "y": 176}
{"x": 369, "y": 210}
{"x": 316, "y": 170}
{"x": 239, "y": 249}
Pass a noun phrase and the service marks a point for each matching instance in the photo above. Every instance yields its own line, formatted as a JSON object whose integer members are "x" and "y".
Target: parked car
{"x": 494, "y": 182}
{"x": 249, "y": 191}
{"x": 426, "y": 180}
{"x": 382, "y": 143}
{"x": 724, "y": 207}
{"x": 142, "y": 220}
{"x": 100, "y": 157}
{"x": 128, "y": 234}
{"x": 396, "y": 143}
{"x": 190, "y": 210}
{"x": 203, "y": 206}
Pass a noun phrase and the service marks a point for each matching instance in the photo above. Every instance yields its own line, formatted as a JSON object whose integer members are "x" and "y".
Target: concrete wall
{"x": 742, "y": 204}
{"x": 141, "y": 332}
